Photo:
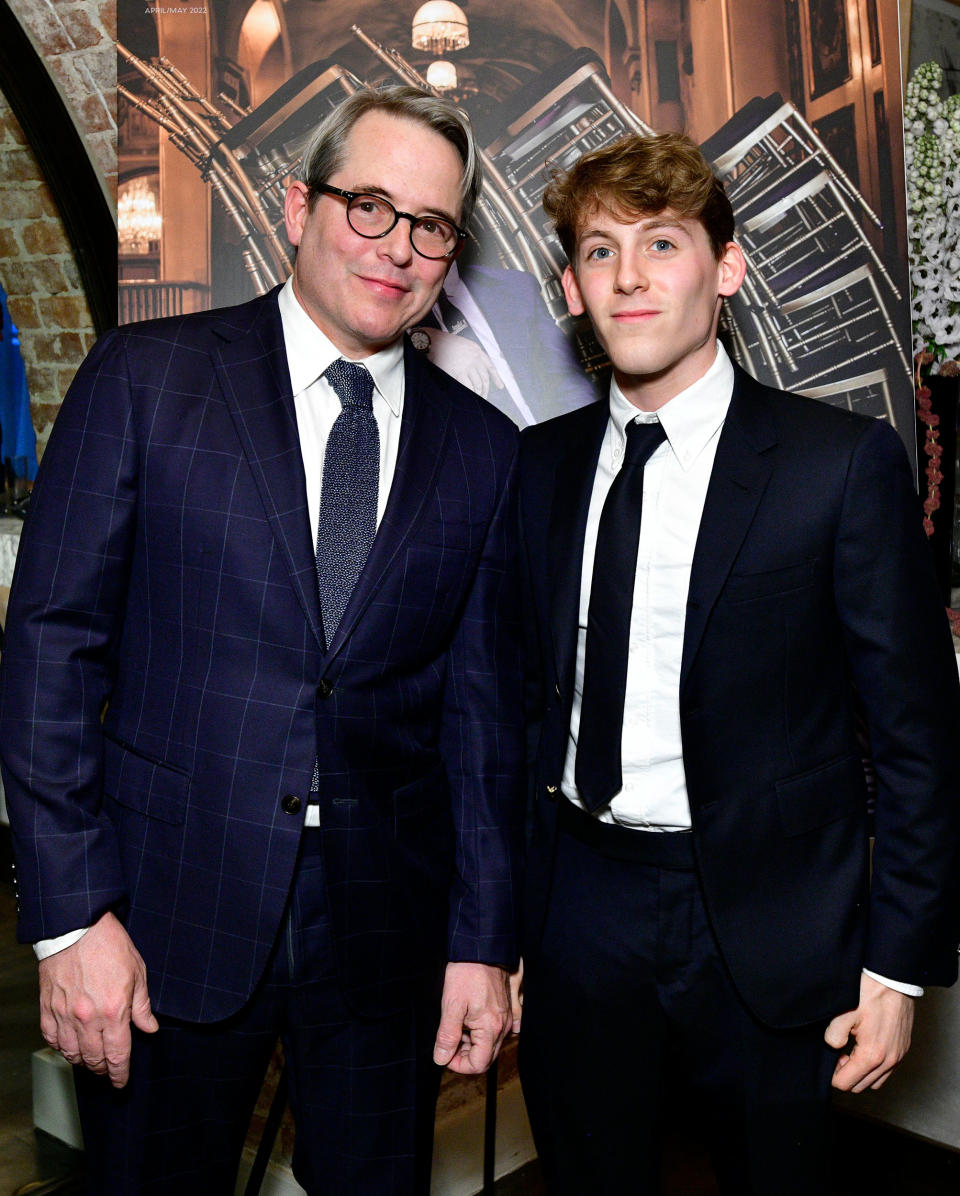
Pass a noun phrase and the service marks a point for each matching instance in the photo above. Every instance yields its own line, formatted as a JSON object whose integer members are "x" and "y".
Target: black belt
{"x": 662, "y": 849}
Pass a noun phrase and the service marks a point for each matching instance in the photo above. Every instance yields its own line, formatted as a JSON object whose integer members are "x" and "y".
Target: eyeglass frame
{"x": 350, "y": 196}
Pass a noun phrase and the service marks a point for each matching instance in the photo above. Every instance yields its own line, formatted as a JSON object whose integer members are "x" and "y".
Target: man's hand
{"x": 474, "y": 1017}
{"x": 90, "y": 993}
{"x": 880, "y": 1026}
{"x": 463, "y": 359}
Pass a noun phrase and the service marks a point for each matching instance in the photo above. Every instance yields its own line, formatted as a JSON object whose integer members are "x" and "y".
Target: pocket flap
{"x": 823, "y": 795}
{"x": 145, "y": 785}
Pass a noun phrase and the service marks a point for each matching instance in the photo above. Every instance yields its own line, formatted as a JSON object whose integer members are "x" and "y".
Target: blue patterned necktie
{"x": 598, "y": 770}
{"x": 348, "y": 500}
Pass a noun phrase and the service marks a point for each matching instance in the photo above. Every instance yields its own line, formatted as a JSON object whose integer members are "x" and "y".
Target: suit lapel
{"x": 741, "y": 470}
{"x": 251, "y": 365}
{"x": 423, "y": 431}
{"x": 573, "y": 486}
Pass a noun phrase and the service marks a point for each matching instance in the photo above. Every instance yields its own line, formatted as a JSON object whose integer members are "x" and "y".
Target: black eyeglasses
{"x": 373, "y": 216}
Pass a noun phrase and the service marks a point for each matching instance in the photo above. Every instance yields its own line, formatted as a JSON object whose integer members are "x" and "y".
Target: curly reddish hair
{"x": 638, "y": 175}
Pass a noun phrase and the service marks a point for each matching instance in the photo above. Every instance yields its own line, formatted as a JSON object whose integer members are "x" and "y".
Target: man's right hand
{"x": 90, "y": 993}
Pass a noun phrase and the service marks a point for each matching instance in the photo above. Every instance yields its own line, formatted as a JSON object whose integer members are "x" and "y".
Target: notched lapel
{"x": 573, "y": 486}
{"x": 251, "y": 366}
{"x": 423, "y": 431}
{"x": 744, "y": 461}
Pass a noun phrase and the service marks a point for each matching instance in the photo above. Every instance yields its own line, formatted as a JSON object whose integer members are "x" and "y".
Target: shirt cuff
{"x": 48, "y": 947}
{"x": 908, "y": 990}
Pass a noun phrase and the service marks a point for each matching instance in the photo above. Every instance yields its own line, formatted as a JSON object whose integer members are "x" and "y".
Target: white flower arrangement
{"x": 932, "y": 155}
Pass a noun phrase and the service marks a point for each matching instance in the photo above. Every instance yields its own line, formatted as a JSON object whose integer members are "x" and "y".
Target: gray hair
{"x": 324, "y": 152}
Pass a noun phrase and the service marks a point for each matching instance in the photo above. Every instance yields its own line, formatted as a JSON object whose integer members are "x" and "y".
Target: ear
{"x": 295, "y": 209}
{"x": 571, "y": 290}
{"x": 731, "y": 269}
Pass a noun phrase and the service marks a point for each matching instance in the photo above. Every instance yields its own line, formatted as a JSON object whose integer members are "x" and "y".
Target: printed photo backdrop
{"x": 796, "y": 102}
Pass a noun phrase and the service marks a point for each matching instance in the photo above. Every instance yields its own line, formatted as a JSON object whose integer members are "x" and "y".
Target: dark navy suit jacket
{"x": 812, "y": 591}
{"x": 166, "y": 685}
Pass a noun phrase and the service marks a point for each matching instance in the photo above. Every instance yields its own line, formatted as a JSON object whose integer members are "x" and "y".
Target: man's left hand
{"x": 475, "y": 1017}
{"x": 880, "y": 1027}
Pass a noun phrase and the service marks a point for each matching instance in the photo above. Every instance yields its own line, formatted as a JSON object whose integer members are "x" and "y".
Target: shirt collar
{"x": 691, "y": 418}
{"x": 310, "y": 352}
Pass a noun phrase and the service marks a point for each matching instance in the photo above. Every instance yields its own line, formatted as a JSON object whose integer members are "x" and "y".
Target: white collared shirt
{"x": 317, "y": 406}
{"x": 675, "y": 480}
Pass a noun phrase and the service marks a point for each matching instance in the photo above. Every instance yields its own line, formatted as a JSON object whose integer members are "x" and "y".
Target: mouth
{"x": 389, "y": 288}
{"x": 636, "y": 316}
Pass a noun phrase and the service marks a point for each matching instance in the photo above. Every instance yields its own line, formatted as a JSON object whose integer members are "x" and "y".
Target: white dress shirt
{"x": 317, "y": 405}
{"x": 675, "y": 480}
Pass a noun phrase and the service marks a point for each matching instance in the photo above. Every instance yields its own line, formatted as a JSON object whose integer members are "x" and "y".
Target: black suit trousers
{"x": 362, "y": 1092}
{"x": 627, "y": 1000}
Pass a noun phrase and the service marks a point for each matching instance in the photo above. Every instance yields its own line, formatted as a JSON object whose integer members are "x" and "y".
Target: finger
{"x": 141, "y": 1013}
{"x": 116, "y": 1050}
{"x": 49, "y": 1029}
{"x": 476, "y": 1056}
{"x": 449, "y": 1037}
{"x": 68, "y": 1042}
{"x": 837, "y": 1034}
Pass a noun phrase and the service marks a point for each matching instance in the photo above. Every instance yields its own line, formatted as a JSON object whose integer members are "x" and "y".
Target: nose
{"x": 631, "y": 275}
{"x": 396, "y": 244}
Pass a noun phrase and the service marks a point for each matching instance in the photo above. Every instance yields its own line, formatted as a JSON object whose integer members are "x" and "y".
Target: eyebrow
{"x": 649, "y": 225}
{"x": 373, "y": 189}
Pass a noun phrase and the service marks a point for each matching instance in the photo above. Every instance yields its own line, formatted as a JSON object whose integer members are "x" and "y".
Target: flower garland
{"x": 932, "y": 159}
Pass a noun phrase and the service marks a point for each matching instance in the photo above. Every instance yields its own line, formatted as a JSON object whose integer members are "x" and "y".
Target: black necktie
{"x": 348, "y": 499}
{"x": 598, "y": 773}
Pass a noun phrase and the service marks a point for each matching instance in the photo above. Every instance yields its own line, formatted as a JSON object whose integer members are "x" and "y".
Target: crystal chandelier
{"x": 138, "y": 222}
{"x": 440, "y": 26}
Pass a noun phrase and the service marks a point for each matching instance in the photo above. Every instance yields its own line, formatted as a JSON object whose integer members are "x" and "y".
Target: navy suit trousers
{"x": 628, "y": 999}
{"x": 362, "y": 1091}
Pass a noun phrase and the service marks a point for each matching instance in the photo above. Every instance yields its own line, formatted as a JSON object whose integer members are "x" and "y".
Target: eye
{"x": 662, "y": 245}
{"x": 599, "y": 253}
{"x": 433, "y": 228}
{"x": 369, "y": 205}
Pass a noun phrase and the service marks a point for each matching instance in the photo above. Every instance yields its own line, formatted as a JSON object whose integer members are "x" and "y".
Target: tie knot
{"x": 353, "y": 383}
{"x": 643, "y": 439}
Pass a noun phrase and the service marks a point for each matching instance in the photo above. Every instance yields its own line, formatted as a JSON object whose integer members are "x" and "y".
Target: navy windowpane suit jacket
{"x": 166, "y": 684}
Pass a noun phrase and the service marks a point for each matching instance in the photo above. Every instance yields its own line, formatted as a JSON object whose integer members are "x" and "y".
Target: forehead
{"x": 383, "y": 148}
{"x": 601, "y": 220}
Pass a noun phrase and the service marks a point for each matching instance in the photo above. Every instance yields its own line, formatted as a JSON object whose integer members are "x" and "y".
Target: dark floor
{"x": 870, "y": 1160}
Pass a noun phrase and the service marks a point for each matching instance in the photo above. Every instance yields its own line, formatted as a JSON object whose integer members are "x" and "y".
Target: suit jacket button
{"x": 325, "y": 688}
{"x": 291, "y": 804}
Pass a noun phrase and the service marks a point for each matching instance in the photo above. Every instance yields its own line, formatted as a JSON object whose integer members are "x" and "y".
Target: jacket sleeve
{"x": 481, "y": 742}
{"x": 64, "y": 619}
{"x": 900, "y": 652}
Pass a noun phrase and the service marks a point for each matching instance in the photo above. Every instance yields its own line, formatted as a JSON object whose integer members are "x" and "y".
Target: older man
{"x": 260, "y": 717}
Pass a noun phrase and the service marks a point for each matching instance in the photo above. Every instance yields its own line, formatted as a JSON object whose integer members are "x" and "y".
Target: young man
{"x": 719, "y": 575}
{"x": 272, "y": 547}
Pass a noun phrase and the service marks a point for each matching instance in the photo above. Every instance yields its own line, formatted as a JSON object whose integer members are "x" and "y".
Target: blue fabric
{"x": 19, "y": 438}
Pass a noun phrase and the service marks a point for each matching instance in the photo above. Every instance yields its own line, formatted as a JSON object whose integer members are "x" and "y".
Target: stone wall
{"x": 37, "y": 270}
